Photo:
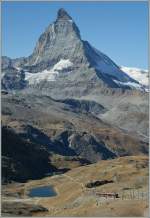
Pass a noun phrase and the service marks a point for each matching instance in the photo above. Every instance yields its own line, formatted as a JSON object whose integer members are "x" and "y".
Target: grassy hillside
{"x": 130, "y": 181}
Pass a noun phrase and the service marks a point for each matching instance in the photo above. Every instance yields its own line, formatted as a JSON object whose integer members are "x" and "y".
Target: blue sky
{"x": 119, "y": 29}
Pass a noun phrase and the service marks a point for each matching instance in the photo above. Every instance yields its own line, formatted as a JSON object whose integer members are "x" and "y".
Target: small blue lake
{"x": 42, "y": 191}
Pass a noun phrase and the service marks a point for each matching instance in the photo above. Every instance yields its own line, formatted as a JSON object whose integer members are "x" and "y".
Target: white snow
{"x": 48, "y": 75}
{"x": 130, "y": 84}
{"x": 62, "y": 64}
{"x": 138, "y": 74}
{"x": 34, "y": 78}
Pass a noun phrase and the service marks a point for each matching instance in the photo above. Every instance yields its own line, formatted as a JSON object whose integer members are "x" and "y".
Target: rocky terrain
{"x": 67, "y": 132}
{"x": 69, "y": 109}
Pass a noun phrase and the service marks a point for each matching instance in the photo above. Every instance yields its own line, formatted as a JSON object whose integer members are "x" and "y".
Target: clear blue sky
{"x": 119, "y": 29}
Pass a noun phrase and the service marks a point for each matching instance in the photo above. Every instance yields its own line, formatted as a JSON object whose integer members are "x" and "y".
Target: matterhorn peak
{"x": 62, "y": 43}
{"x": 63, "y": 15}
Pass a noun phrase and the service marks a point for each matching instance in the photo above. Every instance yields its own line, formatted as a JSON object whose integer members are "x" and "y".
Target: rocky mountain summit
{"x": 61, "y": 56}
{"x": 71, "y": 102}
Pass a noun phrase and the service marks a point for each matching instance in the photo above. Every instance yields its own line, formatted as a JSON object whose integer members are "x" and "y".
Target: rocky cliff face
{"x": 60, "y": 40}
{"x": 61, "y": 56}
{"x": 13, "y": 79}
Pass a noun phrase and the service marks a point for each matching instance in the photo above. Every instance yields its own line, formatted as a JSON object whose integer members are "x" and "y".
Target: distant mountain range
{"x": 140, "y": 75}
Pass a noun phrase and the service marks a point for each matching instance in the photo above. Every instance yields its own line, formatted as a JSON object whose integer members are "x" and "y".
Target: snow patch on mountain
{"x": 48, "y": 75}
{"x": 138, "y": 74}
{"x": 132, "y": 85}
{"x": 34, "y": 78}
{"x": 63, "y": 64}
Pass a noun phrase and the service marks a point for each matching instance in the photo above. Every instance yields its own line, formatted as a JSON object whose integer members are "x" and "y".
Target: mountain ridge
{"x": 138, "y": 74}
{"x": 61, "y": 41}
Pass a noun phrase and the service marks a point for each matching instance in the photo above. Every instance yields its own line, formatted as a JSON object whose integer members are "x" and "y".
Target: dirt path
{"x": 74, "y": 180}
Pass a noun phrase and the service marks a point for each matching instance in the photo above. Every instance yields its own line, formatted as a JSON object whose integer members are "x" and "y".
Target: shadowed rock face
{"x": 83, "y": 145}
{"x": 22, "y": 160}
{"x": 84, "y": 106}
{"x": 13, "y": 79}
{"x": 89, "y": 148}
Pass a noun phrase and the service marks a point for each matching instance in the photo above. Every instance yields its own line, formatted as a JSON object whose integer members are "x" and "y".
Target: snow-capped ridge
{"x": 140, "y": 75}
{"x": 132, "y": 85}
